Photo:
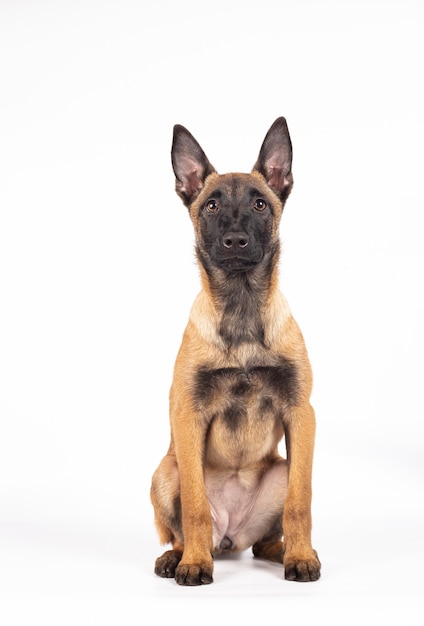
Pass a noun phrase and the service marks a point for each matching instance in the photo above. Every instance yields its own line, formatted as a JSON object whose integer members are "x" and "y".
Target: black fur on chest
{"x": 233, "y": 393}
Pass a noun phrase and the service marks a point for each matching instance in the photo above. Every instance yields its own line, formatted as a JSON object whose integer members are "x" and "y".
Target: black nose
{"x": 235, "y": 240}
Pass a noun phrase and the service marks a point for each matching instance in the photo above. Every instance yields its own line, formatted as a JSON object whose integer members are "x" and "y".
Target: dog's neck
{"x": 240, "y": 299}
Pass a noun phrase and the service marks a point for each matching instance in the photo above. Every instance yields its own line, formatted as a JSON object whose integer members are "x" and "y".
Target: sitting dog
{"x": 242, "y": 381}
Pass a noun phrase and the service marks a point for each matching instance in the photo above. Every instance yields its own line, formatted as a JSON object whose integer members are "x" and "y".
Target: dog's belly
{"x": 245, "y": 505}
{"x": 245, "y": 478}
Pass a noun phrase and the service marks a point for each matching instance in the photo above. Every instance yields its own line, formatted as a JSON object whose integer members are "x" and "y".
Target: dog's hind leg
{"x": 271, "y": 551}
{"x": 166, "y": 501}
{"x": 270, "y": 547}
{"x": 166, "y": 564}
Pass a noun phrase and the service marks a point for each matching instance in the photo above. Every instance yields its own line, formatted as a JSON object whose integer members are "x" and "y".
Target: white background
{"x": 97, "y": 277}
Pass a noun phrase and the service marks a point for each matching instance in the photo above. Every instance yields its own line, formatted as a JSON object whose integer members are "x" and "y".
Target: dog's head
{"x": 235, "y": 216}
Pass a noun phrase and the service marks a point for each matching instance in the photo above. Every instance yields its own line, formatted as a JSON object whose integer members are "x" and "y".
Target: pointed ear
{"x": 275, "y": 159}
{"x": 190, "y": 164}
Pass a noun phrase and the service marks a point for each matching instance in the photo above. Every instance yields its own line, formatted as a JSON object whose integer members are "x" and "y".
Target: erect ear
{"x": 275, "y": 159}
{"x": 190, "y": 164}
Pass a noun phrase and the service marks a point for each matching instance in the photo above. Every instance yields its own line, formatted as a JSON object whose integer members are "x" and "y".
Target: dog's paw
{"x": 166, "y": 564}
{"x": 302, "y": 570}
{"x": 193, "y": 574}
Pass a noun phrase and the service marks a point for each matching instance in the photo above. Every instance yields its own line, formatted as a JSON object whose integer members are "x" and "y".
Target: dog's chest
{"x": 245, "y": 408}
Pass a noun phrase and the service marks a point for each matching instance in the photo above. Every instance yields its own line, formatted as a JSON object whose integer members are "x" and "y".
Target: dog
{"x": 242, "y": 381}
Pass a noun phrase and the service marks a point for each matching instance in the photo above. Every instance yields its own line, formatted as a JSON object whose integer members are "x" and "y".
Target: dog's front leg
{"x": 301, "y": 562}
{"x": 196, "y": 565}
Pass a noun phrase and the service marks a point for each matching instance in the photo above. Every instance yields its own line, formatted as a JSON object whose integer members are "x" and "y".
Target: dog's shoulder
{"x": 204, "y": 321}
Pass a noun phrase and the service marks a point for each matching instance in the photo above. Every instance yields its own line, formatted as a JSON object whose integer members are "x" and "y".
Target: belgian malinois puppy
{"x": 242, "y": 381}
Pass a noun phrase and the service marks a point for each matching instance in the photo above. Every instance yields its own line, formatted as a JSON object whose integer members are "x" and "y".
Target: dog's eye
{"x": 260, "y": 205}
{"x": 211, "y": 206}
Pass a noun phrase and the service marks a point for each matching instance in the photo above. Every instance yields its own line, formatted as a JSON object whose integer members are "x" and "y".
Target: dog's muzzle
{"x": 236, "y": 252}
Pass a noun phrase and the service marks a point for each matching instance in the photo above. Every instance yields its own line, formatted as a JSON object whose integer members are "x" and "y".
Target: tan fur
{"x": 209, "y": 464}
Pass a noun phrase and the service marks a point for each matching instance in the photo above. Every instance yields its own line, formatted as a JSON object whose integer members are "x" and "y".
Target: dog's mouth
{"x": 230, "y": 258}
{"x": 236, "y": 264}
